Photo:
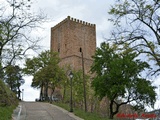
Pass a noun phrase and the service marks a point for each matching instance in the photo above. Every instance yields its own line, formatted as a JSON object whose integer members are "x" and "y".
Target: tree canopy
{"x": 13, "y": 77}
{"x": 118, "y": 77}
{"x": 137, "y": 22}
{"x": 45, "y": 70}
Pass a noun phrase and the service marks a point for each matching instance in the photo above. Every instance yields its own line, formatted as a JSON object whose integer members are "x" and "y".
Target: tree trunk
{"x": 111, "y": 110}
{"x": 51, "y": 100}
{"x": 46, "y": 91}
{"x": 112, "y": 113}
{"x": 41, "y": 93}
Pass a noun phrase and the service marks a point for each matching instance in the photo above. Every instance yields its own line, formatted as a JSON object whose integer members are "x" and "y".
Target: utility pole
{"x": 84, "y": 82}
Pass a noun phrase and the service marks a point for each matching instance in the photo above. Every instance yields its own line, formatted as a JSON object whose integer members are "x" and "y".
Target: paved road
{"x": 41, "y": 111}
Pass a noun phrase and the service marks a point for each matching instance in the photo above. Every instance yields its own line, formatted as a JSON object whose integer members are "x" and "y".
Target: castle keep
{"x": 70, "y": 38}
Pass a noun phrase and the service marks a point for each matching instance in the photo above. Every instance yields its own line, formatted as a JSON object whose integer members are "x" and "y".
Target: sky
{"x": 92, "y": 11}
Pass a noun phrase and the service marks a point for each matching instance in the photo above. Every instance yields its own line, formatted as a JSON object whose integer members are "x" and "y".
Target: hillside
{"x": 7, "y": 97}
{"x": 8, "y": 102}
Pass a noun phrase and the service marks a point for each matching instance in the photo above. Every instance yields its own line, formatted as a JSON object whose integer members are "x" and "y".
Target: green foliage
{"x": 118, "y": 76}
{"x": 88, "y": 115}
{"x": 45, "y": 70}
{"x": 8, "y": 102}
{"x": 78, "y": 86}
{"x": 81, "y": 113}
{"x": 51, "y": 73}
{"x": 8, "y": 98}
{"x": 46, "y": 58}
{"x": 6, "y": 112}
{"x": 13, "y": 77}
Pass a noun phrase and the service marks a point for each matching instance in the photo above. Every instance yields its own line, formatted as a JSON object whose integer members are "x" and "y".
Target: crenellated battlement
{"x": 74, "y": 20}
{"x": 80, "y": 21}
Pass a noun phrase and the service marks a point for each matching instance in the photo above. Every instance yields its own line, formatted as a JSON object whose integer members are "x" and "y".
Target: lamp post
{"x": 22, "y": 93}
{"x": 71, "y": 99}
{"x": 84, "y": 82}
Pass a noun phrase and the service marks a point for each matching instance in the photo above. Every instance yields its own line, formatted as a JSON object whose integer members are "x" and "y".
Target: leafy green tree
{"x": 137, "y": 22}
{"x": 65, "y": 83}
{"x": 48, "y": 77}
{"x": 77, "y": 87}
{"x": 45, "y": 70}
{"x": 78, "y": 90}
{"x": 13, "y": 77}
{"x": 118, "y": 76}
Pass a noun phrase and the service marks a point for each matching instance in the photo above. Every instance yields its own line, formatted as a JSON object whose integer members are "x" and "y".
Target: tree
{"x": 118, "y": 76}
{"x": 137, "y": 22}
{"x": 78, "y": 88}
{"x": 16, "y": 25}
{"x": 13, "y": 77}
{"x": 48, "y": 77}
{"x": 45, "y": 70}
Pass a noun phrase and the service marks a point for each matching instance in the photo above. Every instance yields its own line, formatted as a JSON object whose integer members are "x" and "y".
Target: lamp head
{"x": 71, "y": 75}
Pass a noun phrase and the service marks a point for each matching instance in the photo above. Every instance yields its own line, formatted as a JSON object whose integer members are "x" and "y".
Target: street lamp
{"x": 22, "y": 93}
{"x": 71, "y": 100}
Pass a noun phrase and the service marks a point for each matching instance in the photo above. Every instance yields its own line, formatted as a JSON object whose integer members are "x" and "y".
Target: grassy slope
{"x": 81, "y": 113}
{"x": 6, "y": 112}
{"x": 8, "y": 102}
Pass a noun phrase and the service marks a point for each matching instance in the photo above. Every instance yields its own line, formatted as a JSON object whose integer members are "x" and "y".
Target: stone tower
{"x": 70, "y": 38}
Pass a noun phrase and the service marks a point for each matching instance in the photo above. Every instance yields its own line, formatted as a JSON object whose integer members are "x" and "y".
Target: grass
{"x": 8, "y": 102}
{"x": 6, "y": 112}
{"x": 88, "y": 115}
{"x": 82, "y": 113}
